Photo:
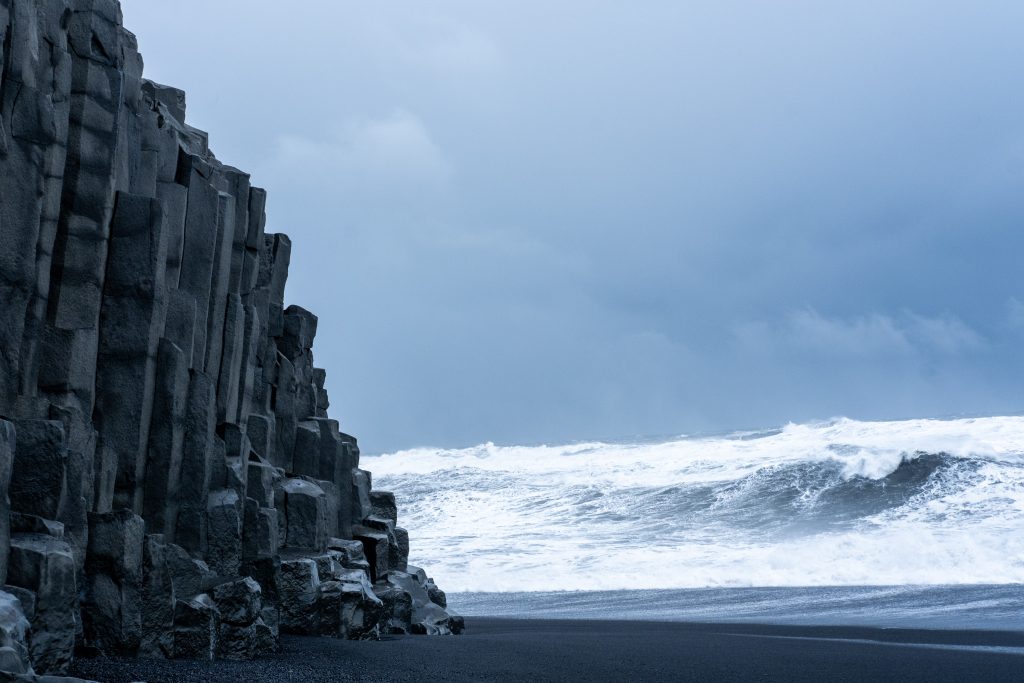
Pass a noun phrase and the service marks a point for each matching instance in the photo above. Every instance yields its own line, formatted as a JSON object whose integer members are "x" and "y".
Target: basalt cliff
{"x": 172, "y": 483}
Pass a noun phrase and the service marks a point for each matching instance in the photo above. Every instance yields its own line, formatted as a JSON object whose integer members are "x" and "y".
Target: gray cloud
{"x": 877, "y": 335}
{"x": 523, "y": 221}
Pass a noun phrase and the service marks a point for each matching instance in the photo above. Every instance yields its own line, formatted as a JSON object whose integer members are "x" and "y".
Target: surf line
{"x": 992, "y": 649}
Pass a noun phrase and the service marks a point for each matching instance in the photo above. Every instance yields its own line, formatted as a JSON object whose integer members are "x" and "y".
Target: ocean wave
{"x": 836, "y": 503}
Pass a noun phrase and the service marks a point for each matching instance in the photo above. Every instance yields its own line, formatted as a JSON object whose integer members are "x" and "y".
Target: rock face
{"x": 170, "y": 482}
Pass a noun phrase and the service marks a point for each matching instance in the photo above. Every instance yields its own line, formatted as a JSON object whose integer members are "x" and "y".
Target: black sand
{"x": 564, "y": 650}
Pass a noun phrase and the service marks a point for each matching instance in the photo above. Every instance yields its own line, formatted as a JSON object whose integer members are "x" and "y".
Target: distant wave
{"x": 999, "y": 607}
{"x": 836, "y": 503}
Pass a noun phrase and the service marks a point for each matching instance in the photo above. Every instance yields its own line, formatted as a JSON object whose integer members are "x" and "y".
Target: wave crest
{"x": 842, "y": 502}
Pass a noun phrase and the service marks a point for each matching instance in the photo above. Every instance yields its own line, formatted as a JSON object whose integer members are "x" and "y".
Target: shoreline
{"x": 982, "y": 607}
{"x": 504, "y": 649}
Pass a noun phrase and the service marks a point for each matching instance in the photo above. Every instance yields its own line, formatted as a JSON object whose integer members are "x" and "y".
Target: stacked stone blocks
{"x": 170, "y": 482}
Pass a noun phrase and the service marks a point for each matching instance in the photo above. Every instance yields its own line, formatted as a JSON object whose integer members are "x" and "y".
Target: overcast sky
{"x": 530, "y": 222}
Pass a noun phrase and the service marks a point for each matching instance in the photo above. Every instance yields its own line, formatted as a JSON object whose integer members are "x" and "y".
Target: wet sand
{"x": 593, "y": 650}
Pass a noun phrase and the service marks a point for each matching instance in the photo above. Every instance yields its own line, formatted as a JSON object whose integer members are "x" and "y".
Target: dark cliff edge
{"x": 176, "y": 487}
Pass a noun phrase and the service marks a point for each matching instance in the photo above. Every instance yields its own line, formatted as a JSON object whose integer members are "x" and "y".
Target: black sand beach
{"x": 567, "y": 650}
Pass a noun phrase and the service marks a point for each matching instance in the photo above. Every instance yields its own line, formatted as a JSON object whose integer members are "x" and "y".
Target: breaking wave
{"x": 830, "y": 504}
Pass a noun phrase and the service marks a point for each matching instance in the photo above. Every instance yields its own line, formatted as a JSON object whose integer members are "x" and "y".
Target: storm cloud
{"x": 533, "y": 221}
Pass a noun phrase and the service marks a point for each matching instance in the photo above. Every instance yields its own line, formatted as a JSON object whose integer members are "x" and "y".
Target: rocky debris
{"x": 14, "y": 629}
{"x": 44, "y": 566}
{"x": 425, "y": 615}
{"x": 349, "y": 608}
{"x": 243, "y": 632}
{"x": 435, "y": 594}
{"x": 170, "y": 482}
{"x": 196, "y": 628}
{"x": 239, "y": 602}
{"x": 298, "y": 585}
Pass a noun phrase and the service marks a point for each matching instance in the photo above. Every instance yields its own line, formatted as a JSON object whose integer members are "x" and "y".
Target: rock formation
{"x": 172, "y": 483}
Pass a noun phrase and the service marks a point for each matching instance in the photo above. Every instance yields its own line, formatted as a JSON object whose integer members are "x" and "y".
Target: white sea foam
{"x": 837, "y": 503}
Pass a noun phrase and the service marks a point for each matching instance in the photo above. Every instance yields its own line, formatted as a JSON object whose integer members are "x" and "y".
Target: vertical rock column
{"x": 131, "y": 323}
{"x": 112, "y": 608}
{"x": 8, "y": 441}
{"x": 163, "y": 427}
{"x": 96, "y": 41}
{"x": 189, "y": 506}
{"x": 41, "y": 562}
{"x": 35, "y": 75}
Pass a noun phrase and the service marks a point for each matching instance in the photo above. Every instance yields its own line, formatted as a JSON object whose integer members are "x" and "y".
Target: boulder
{"x": 45, "y": 565}
{"x": 298, "y": 589}
{"x": 329, "y": 565}
{"x": 456, "y": 622}
{"x": 244, "y": 633}
{"x": 352, "y": 555}
{"x": 14, "y": 631}
{"x": 426, "y": 617}
{"x": 238, "y": 642}
{"x": 265, "y": 637}
{"x": 196, "y": 628}
{"x": 436, "y": 595}
{"x": 239, "y": 602}
{"x": 397, "y": 608}
{"x": 348, "y": 608}
{"x": 189, "y": 576}
{"x": 432, "y": 620}
{"x": 266, "y": 571}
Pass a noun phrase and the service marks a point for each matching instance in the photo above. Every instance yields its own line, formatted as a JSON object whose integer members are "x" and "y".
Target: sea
{"x": 911, "y": 523}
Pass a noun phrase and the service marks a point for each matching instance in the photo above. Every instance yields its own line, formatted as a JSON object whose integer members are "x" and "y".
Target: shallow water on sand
{"x": 999, "y": 607}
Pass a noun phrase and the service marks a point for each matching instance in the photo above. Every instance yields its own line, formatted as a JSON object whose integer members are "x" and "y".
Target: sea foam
{"x": 837, "y": 503}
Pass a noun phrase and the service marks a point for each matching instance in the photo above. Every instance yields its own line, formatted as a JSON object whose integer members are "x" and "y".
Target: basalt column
{"x": 171, "y": 484}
